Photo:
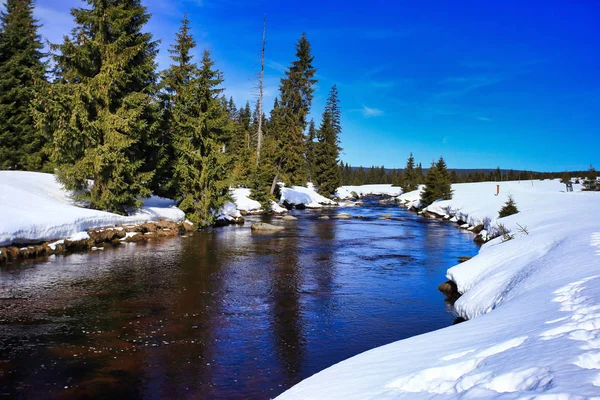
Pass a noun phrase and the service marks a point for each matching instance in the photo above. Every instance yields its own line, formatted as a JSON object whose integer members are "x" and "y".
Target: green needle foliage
{"x": 410, "y": 175}
{"x": 327, "y": 173}
{"x": 509, "y": 208}
{"x": 437, "y": 181}
{"x": 296, "y": 94}
{"x": 21, "y": 72}
{"x": 100, "y": 113}
{"x": 196, "y": 122}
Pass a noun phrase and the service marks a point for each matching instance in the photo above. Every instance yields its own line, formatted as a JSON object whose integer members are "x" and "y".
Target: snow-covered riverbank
{"x": 35, "y": 208}
{"x": 535, "y": 332}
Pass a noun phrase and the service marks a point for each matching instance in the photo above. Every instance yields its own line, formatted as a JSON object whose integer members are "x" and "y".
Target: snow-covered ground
{"x": 345, "y": 192}
{"x": 534, "y": 303}
{"x": 242, "y": 200}
{"x": 34, "y": 208}
{"x": 304, "y": 195}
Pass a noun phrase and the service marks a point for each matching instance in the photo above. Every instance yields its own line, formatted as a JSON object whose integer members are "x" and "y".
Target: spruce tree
{"x": 311, "y": 150}
{"x": 327, "y": 173}
{"x": 444, "y": 183}
{"x": 21, "y": 72}
{"x": 509, "y": 208}
{"x": 176, "y": 96}
{"x": 437, "y": 183}
{"x": 296, "y": 94}
{"x": 199, "y": 125}
{"x": 419, "y": 174}
{"x": 410, "y": 175}
{"x": 101, "y": 113}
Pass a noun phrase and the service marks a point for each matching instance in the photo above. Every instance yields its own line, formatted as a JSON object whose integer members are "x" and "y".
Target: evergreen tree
{"x": 296, "y": 93}
{"x": 419, "y": 174}
{"x": 437, "y": 183}
{"x": 327, "y": 173}
{"x": 509, "y": 208}
{"x": 21, "y": 71}
{"x": 200, "y": 167}
{"x": 410, "y": 175}
{"x": 311, "y": 150}
{"x": 101, "y": 113}
{"x": 176, "y": 97}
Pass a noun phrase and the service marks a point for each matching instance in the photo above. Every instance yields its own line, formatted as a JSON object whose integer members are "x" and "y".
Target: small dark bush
{"x": 509, "y": 208}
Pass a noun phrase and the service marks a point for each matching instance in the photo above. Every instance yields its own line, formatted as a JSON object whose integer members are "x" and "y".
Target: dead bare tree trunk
{"x": 260, "y": 91}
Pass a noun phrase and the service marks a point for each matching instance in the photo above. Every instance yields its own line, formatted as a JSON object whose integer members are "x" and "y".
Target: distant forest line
{"x": 352, "y": 175}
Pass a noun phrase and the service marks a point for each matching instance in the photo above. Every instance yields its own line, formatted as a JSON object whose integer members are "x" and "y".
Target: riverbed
{"x": 224, "y": 313}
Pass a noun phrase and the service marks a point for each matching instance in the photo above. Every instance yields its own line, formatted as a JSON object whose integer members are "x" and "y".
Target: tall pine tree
{"x": 327, "y": 172}
{"x": 198, "y": 125}
{"x": 311, "y": 149}
{"x": 437, "y": 183}
{"x": 296, "y": 94}
{"x": 410, "y": 175}
{"x": 101, "y": 113}
{"x": 176, "y": 96}
{"x": 21, "y": 71}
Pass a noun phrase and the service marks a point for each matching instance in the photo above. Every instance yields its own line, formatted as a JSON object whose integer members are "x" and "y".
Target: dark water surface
{"x": 223, "y": 314}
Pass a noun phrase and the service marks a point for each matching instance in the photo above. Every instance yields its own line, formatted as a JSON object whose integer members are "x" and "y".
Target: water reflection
{"x": 225, "y": 313}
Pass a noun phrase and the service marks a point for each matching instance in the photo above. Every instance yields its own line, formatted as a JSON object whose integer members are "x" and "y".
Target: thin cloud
{"x": 371, "y": 112}
{"x": 275, "y": 65}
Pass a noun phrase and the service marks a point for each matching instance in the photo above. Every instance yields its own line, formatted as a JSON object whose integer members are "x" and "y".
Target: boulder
{"x": 289, "y": 218}
{"x": 147, "y": 227}
{"x": 343, "y": 216}
{"x": 477, "y": 229}
{"x": 106, "y": 234}
{"x": 324, "y": 217}
{"x": 450, "y": 290}
{"x": 264, "y": 227}
{"x": 78, "y": 245}
{"x": 186, "y": 226}
{"x": 165, "y": 224}
{"x": 166, "y": 232}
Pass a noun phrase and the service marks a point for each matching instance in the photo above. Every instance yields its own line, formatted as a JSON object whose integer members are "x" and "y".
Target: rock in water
{"x": 261, "y": 226}
{"x": 343, "y": 216}
{"x": 289, "y": 218}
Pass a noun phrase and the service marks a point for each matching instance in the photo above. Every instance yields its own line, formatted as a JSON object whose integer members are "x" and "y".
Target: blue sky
{"x": 506, "y": 83}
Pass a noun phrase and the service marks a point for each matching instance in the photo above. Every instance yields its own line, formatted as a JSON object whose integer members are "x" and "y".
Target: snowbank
{"x": 534, "y": 303}
{"x": 346, "y": 192}
{"x": 229, "y": 212}
{"x": 243, "y": 202}
{"x": 35, "y": 208}
{"x": 306, "y": 196}
{"x": 411, "y": 199}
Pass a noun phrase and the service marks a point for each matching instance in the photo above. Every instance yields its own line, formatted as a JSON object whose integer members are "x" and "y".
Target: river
{"x": 224, "y": 313}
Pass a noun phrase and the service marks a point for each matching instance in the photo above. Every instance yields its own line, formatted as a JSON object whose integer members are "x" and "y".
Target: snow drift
{"x": 346, "y": 192}
{"x": 34, "y": 208}
{"x": 306, "y": 196}
{"x": 534, "y": 303}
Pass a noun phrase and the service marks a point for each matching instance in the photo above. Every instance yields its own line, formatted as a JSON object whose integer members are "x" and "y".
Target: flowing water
{"x": 225, "y": 313}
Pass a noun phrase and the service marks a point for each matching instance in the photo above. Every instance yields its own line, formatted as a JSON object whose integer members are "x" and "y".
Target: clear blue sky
{"x": 514, "y": 84}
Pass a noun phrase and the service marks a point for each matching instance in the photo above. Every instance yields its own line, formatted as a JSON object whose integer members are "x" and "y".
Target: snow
{"x": 345, "y": 192}
{"x": 304, "y": 195}
{"x": 243, "y": 202}
{"x": 533, "y": 304}
{"x": 229, "y": 212}
{"x": 35, "y": 208}
{"x": 277, "y": 209}
{"x": 411, "y": 199}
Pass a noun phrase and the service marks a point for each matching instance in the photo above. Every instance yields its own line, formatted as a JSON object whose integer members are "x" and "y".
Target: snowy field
{"x": 533, "y": 300}
{"x": 346, "y": 192}
{"x": 35, "y": 208}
